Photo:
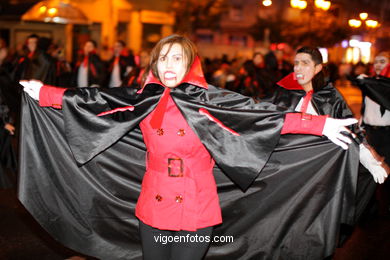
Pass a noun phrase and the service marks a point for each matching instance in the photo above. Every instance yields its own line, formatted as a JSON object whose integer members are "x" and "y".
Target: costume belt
{"x": 177, "y": 166}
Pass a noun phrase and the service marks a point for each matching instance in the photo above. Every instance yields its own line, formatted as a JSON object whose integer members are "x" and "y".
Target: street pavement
{"x": 21, "y": 238}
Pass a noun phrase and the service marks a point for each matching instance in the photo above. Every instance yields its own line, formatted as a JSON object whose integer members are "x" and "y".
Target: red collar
{"x": 290, "y": 82}
{"x": 386, "y": 71}
{"x": 194, "y": 77}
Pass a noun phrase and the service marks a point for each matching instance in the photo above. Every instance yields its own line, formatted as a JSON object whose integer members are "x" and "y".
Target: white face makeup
{"x": 380, "y": 62}
{"x": 172, "y": 65}
{"x": 305, "y": 69}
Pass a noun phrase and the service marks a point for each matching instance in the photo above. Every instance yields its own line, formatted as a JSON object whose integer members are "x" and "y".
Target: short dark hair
{"x": 33, "y": 36}
{"x": 93, "y": 42}
{"x": 121, "y": 43}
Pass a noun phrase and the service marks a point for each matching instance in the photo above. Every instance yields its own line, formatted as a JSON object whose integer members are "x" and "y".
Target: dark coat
{"x": 125, "y": 61}
{"x": 40, "y": 66}
{"x": 96, "y": 71}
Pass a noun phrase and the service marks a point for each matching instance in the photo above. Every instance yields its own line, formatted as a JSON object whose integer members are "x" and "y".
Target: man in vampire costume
{"x": 306, "y": 90}
{"x": 36, "y": 63}
{"x": 81, "y": 170}
{"x": 376, "y": 118}
{"x": 90, "y": 69}
{"x": 120, "y": 66}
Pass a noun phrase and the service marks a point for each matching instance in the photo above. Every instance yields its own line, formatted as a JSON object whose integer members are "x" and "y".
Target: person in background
{"x": 5, "y": 57}
{"x": 120, "y": 66}
{"x": 89, "y": 70}
{"x": 63, "y": 67}
{"x": 306, "y": 90}
{"x": 284, "y": 67}
{"x": 376, "y": 118}
{"x": 253, "y": 79}
{"x": 7, "y": 154}
{"x": 35, "y": 63}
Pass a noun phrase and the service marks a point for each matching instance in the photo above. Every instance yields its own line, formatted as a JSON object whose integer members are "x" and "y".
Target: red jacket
{"x": 178, "y": 189}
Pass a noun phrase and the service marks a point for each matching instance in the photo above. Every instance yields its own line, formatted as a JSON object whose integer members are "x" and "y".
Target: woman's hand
{"x": 334, "y": 127}
{"x": 10, "y": 128}
{"x": 32, "y": 87}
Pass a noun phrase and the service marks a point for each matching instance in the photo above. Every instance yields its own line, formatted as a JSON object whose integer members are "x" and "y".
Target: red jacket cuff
{"x": 50, "y": 96}
{"x": 300, "y": 123}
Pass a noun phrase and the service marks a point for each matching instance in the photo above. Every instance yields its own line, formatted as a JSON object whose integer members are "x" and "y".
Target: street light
{"x": 56, "y": 11}
{"x": 372, "y": 23}
{"x": 302, "y": 4}
{"x": 322, "y": 4}
{"x": 363, "y": 16}
{"x": 267, "y": 2}
{"x": 354, "y": 23}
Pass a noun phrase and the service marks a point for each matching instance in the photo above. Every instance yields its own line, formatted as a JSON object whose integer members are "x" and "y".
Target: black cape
{"x": 81, "y": 183}
{"x": 328, "y": 101}
{"x": 378, "y": 89}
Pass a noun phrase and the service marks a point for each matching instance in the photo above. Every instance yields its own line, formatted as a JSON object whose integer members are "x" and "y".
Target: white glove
{"x": 32, "y": 87}
{"x": 372, "y": 165}
{"x": 362, "y": 76}
{"x": 334, "y": 127}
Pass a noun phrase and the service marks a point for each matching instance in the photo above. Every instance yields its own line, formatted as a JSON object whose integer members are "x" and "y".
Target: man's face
{"x": 88, "y": 47}
{"x": 117, "y": 48}
{"x": 305, "y": 69}
{"x": 171, "y": 65}
{"x": 258, "y": 60}
{"x": 32, "y": 44}
{"x": 380, "y": 62}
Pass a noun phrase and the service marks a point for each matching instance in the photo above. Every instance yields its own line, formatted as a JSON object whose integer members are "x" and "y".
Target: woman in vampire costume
{"x": 187, "y": 126}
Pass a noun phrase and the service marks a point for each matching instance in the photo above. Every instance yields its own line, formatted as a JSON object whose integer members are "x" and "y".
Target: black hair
{"x": 121, "y": 43}
{"x": 33, "y": 36}
{"x": 93, "y": 42}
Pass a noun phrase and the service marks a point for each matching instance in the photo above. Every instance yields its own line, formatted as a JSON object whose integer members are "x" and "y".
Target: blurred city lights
{"x": 354, "y": 43}
{"x": 267, "y": 2}
{"x": 358, "y": 51}
{"x": 354, "y": 23}
{"x": 322, "y": 4}
{"x": 300, "y": 4}
{"x": 372, "y": 23}
{"x": 363, "y": 16}
{"x": 42, "y": 9}
{"x": 324, "y": 54}
{"x": 56, "y": 11}
{"x": 52, "y": 11}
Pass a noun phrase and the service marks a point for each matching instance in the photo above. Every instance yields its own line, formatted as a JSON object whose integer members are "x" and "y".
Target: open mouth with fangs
{"x": 169, "y": 75}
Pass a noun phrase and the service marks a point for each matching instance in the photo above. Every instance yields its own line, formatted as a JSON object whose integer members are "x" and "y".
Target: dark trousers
{"x": 174, "y": 245}
{"x": 379, "y": 138}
